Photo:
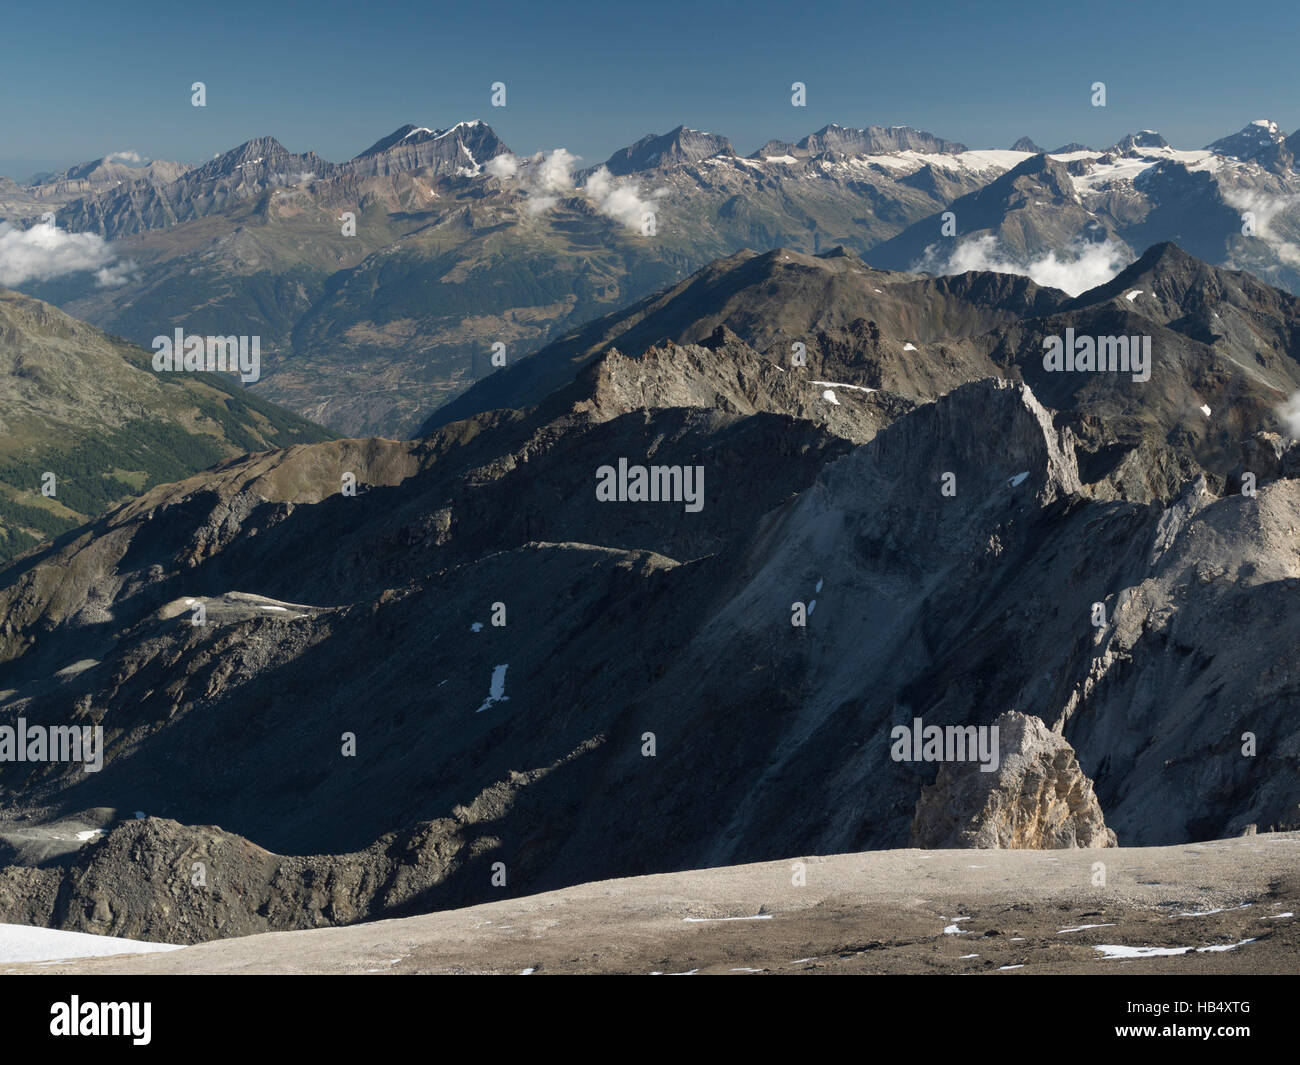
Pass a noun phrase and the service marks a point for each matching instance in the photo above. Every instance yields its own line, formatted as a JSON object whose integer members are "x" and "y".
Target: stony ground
{"x": 900, "y": 911}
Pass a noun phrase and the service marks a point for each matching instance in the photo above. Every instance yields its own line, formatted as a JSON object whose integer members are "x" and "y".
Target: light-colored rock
{"x": 1037, "y": 798}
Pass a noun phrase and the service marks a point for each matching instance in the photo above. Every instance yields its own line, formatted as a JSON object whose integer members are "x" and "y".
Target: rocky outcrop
{"x": 1037, "y": 799}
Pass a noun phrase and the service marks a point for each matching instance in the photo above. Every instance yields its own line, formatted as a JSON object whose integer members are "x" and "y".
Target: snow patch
{"x": 1121, "y": 951}
{"x": 497, "y": 691}
{"x": 22, "y": 943}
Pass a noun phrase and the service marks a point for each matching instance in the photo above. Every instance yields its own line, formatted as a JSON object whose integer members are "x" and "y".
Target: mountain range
{"x": 464, "y": 251}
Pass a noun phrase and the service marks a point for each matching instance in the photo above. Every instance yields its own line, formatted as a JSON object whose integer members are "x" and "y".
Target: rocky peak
{"x": 662, "y": 151}
{"x": 1146, "y": 138}
{"x": 876, "y": 140}
{"x": 1036, "y": 799}
{"x": 461, "y": 149}
{"x": 1248, "y": 142}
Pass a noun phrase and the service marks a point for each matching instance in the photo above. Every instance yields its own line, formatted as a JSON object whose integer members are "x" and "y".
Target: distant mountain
{"x": 1250, "y": 141}
{"x": 663, "y": 151}
{"x": 89, "y": 409}
{"x": 461, "y": 150}
{"x": 1263, "y": 143}
{"x": 370, "y": 332}
{"x": 350, "y": 335}
{"x": 873, "y": 140}
{"x": 1147, "y": 138}
{"x": 1024, "y": 144}
{"x": 1031, "y": 208}
{"x": 100, "y": 175}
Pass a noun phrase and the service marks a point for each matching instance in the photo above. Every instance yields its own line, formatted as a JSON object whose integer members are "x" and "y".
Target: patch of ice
{"x": 953, "y": 930}
{"x": 1205, "y": 410}
{"x": 497, "y": 691}
{"x": 841, "y": 384}
{"x": 1131, "y": 296}
{"x": 909, "y": 346}
{"x": 829, "y": 396}
{"x": 1121, "y": 951}
{"x": 1018, "y": 479}
{"x": 23, "y": 943}
{"x": 1080, "y": 928}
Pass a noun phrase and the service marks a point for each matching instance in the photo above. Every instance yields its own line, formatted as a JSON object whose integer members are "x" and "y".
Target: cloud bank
{"x": 45, "y": 252}
{"x": 548, "y": 176}
{"x": 1266, "y": 208}
{"x": 1081, "y": 266}
{"x": 1290, "y": 412}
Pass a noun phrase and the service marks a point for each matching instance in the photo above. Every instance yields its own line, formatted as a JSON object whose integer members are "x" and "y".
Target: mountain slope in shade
{"x": 1219, "y": 338}
{"x": 524, "y": 742}
{"x": 775, "y": 299}
{"x": 90, "y": 409}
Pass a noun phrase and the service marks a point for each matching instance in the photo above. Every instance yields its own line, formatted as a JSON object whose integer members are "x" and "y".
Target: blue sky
{"x": 81, "y": 80}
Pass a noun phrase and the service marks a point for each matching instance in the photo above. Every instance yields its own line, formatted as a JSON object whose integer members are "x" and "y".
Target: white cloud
{"x": 127, "y": 156}
{"x": 619, "y": 200}
{"x": 1290, "y": 412}
{"x": 45, "y": 252}
{"x": 547, "y": 176}
{"x": 116, "y": 274}
{"x": 1266, "y": 208}
{"x": 1077, "y": 268}
{"x": 553, "y": 171}
{"x": 504, "y": 166}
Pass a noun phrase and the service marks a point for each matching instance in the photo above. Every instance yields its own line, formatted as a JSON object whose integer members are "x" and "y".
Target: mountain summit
{"x": 658, "y": 151}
